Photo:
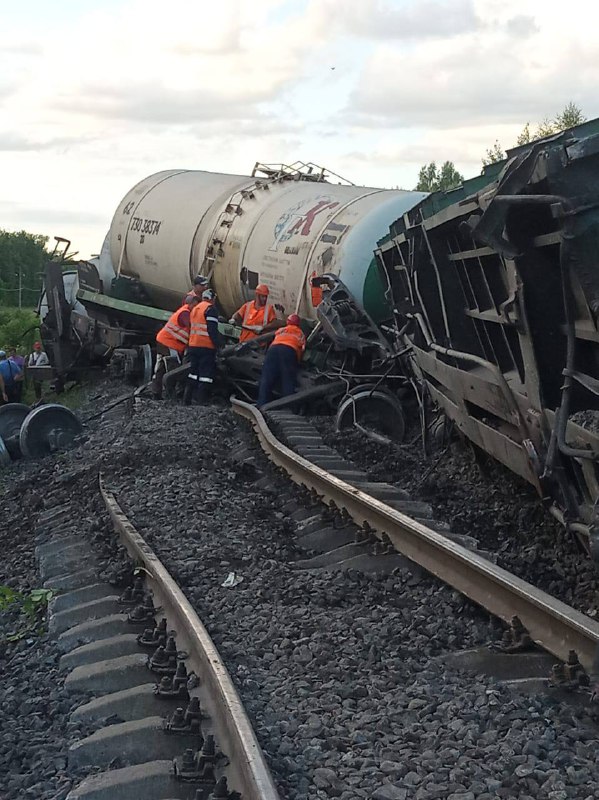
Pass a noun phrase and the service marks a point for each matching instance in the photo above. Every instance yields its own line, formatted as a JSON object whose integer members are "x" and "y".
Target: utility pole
{"x": 20, "y": 274}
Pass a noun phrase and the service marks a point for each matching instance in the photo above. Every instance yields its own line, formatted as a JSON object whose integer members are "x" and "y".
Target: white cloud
{"x": 480, "y": 75}
{"x": 140, "y": 86}
{"x": 221, "y": 63}
{"x": 522, "y": 26}
{"x": 383, "y": 19}
{"x": 11, "y": 141}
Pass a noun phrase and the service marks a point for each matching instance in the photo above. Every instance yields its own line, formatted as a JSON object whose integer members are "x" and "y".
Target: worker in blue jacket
{"x": 11, "y": 376}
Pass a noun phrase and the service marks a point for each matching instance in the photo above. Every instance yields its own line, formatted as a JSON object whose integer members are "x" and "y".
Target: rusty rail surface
{"x": 553, "y": 625}
{"x": 247, "y": 772}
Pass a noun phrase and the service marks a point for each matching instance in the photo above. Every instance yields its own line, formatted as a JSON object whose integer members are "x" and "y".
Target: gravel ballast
{"x": 35, "y": 731}
{"x": 484, "y": 500}
{"x": 341, "y": 673}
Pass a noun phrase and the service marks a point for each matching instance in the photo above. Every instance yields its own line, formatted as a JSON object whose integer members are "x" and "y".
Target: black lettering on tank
{"x": 150, "y": 227}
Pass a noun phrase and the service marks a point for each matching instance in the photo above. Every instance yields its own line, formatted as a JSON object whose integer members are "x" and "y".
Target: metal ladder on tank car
{"x": 273, "y": 173}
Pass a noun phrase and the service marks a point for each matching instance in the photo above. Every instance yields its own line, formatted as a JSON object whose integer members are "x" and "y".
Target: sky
{"x": 97, "y": 94}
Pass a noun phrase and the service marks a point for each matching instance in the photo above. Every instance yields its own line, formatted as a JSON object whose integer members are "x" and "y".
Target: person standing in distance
{"x": 204, "y": 341}
{"x": 282, "y": 360}
{"x": 256, "y": 316}
{"x": 37, "y": 359}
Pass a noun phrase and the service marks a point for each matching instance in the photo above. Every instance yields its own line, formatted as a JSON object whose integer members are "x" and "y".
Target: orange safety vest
{"x": 199, "y": 336}
{"x": 255, "y": 318}
{"x": 172, "y": 335}
{"x": 315, "y": 291}
{"x": 291, "y": 336}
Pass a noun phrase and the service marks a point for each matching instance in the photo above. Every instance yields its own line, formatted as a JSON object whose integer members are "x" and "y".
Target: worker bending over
{"x": 282, "y": 359}
{"x": 256, "y": 316}
{"x": 172, "y": 339}
{"x": 204, "y": 342}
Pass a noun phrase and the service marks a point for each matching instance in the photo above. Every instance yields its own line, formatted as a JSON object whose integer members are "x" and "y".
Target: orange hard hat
{"x": 293, "y": 319}
{"x": 262, "y": 288}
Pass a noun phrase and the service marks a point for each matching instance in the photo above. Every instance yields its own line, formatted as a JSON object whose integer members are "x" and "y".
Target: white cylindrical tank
{"x": 242, "y": 231}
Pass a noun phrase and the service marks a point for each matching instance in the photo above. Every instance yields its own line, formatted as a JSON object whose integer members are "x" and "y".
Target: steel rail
{"x": 553, "y": 625}
{"x": 247, "y": 772}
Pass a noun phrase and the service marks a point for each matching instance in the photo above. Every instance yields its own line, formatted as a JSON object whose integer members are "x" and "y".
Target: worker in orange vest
{"x": 172, "y": 339}
{"x": 256, "y": 316}
{"x": 204, "y": 341}
{"x": 315, "y": 291}
{"x": 282, "y": 359}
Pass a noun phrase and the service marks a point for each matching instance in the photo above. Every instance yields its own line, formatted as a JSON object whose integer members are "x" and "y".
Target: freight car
{"x": 496, "y": 290}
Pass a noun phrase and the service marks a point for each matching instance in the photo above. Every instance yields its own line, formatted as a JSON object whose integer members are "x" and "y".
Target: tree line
{"x": 22, "y": 260}
{"x": 433, "y": 178}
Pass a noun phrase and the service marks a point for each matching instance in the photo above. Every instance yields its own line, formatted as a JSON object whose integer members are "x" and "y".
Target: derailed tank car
{"x": 282, "y": 226}
{"x": 497, "y": 284}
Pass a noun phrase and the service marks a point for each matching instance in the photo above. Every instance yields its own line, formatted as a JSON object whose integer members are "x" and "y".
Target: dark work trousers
{"x": 280, "y": 366}
{"x": 13, "y": 391}
{"x": 202, "y": 369}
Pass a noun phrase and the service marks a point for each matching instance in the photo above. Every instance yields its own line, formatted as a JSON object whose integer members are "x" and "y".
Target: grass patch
{"x": 30, "y": 607}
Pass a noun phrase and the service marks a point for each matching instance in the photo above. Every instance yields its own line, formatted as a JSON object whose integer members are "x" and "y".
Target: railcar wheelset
{"x": 36, "y": 433}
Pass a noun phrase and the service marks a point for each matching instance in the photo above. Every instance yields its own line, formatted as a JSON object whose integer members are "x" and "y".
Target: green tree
{"x": 434, "y": 179}
{"x": 494, "y": 154}
{"x": 546, "y": 127}
{"x": 19, "y": 327}
{"x": 570, "y": 116}
{"x": 525, "y": 136}
{"x": 22, "y": 259}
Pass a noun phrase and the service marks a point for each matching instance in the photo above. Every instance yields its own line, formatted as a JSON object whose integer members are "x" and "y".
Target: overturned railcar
{"x": 283, "y": 226}
{"x": 496, "y": 287}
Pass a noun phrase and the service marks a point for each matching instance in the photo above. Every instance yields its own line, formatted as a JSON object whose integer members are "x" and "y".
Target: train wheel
{"x": 375, "y": 412}
{"x": 48, "y": 429}
{"x": 4, "y": 454}
{"x": 12, "y": 416}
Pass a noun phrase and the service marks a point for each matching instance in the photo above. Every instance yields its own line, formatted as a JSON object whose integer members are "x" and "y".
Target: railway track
{"x": 119, "y": 732}
{"x": 163, "y": 702}
{"x": 382, "y": 511}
